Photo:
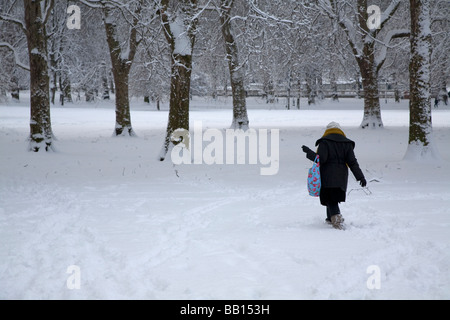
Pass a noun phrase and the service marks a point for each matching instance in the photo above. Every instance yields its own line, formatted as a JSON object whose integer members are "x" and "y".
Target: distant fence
{"x": 389, "y": 94}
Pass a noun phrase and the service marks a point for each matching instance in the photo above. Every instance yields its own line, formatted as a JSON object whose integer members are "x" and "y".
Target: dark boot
{"x": 328, "y": 219}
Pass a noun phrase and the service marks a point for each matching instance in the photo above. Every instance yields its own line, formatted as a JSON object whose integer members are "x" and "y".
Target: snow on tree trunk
{"x": 420, "y": 128}
{"x": 179, "y": 29}
{"x": 240, "y": 117}
{"x": 41, "y": 135}
{"x": 179, "y": 98}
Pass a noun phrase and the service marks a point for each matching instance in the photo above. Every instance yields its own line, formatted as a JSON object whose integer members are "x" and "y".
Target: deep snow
{"x": 138, "y": 228}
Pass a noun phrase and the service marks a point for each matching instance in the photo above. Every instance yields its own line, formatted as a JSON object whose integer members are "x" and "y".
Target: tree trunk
{"x": 89, "y": 94}
{"x": 179, "y": 30}
{"x": 111, "y": 85}
{"x": 15, "y": 92}
{"x": 41, "y": 135}
{"x": 123, "y": 115}
{"x": 358, "y": 86}
{"x": 53, "y": 68}
{"x": 397, "y": 95}
{"x": 420, "y": 126}
{"x": 121, "y": 65}
{"x": 443, "y": 92}
{"x": 369, "y": 72}
{"x": 179, "y": 98}
{"x": 61, "y": 95}
{"x": 372, "y": 108}
{"x": 65, "y": 87}
{"x": 240, "y": 117}
{"x": 53, "y": 87}
{"x": 310, "y": 89}
{"x": 396, "y": 89}
{"x": 333, "y": 83}
{"x": 319, "y": 82}
{"x": 105, "y": 94}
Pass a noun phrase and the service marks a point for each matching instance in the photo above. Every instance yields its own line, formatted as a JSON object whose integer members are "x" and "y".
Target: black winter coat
{"x": 336, "y": 156}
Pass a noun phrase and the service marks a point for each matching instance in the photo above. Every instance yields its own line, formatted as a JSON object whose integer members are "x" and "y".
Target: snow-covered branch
{"x": 202, "y": 9}
{"x": 267, "y": 16}
{"x": 97, "y": 4}
{"x": 15, "y": 21}
{"x": 329, "y": 8}
{"x": 350, "y": 31}
{"x": 388, "y": 13}
{"x": 393, "y": 34}
{"x": 47, "y": 10}
{"x": 16, "y": 56}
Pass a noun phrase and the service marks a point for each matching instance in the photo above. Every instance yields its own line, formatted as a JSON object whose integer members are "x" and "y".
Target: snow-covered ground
{"x": 101, "y": 218}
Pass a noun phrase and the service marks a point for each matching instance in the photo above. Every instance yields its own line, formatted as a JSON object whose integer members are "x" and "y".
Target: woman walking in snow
{"x": 336, "y": 155}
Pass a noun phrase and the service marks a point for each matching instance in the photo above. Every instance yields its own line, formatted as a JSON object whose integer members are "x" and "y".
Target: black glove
{"x": 363, "y": 182}
{"x": 306, "y": 149}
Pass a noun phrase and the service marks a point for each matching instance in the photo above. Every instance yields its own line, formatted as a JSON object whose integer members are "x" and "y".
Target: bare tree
{"x": 210, "y": 56}
{"x": 148, "y": 77}
{"x": 85, "y": 59}
{"x": 122, "y": 60}
{"x": 440, "y": 67}
{"x": 56, "y": 45}
{"x": 352, "y": 17}
{"x": 36, "y": 15}
{"x": 240, "y": 117}
{"x": 13, "y": 51}
{"x": 123, "y": 41}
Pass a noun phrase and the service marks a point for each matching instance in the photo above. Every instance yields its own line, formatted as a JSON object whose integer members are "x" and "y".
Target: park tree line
{"x": 164, "y": 49}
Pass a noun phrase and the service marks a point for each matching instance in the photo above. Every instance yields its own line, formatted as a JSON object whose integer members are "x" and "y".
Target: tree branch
{"x": 15, "y": 21}
{"x": 393, "y": 34}
{"x": 329, "y": 8}
{"x": 16, "y": 56}
{"x": 48, "y": 11}
{"x": 266, "y": 16}
{"x": 387, "y": 14}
